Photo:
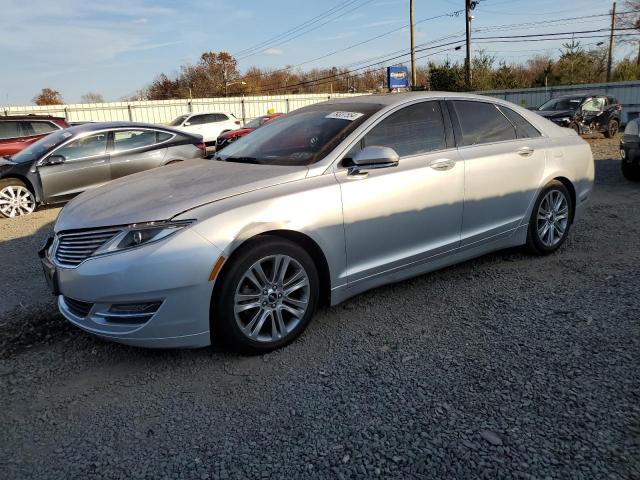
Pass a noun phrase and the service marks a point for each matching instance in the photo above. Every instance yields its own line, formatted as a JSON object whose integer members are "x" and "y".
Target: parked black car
{"x": 67, "y": 162}
{"x": 630, "y": 151}
{"x": 584, "y": 113}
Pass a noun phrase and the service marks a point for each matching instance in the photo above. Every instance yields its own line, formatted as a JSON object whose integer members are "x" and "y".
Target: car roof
{"x": 92, "y": 127}
{"x": 30, "y": 117}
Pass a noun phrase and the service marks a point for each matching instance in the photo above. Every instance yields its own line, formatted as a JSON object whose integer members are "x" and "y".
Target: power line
{"x": 315, "y": 19}
{"x": 286, "y": 40}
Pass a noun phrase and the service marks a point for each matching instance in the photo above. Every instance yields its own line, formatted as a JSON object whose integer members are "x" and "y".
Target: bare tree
{"x": 630, "y": 18}
{"x": 92, "y": 97}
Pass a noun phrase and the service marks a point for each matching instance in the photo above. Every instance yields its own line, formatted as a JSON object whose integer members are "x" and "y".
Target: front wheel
{"x": 267, "y": 295}
{"x": 550, "y": 220}
{"x": 612, "y": 128}
{"x": 15, "y": 198}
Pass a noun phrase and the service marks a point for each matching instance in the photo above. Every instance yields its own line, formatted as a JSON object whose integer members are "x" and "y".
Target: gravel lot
{"x": 508, "y": 366}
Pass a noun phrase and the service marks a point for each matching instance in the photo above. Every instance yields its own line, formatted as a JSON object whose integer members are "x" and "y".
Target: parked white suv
{"x": 210, "y": 124}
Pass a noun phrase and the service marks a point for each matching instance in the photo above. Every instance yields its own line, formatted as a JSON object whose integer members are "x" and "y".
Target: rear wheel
{"x": 267, "y": 295}
{"x": 550, "y": 220}
{"x": 15, "y": 198}
{"x": 631, "y": 171}
{"x": 612, "y": 128}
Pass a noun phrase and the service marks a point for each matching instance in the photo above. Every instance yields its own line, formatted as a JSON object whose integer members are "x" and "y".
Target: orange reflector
{"x": 216, "y": 269}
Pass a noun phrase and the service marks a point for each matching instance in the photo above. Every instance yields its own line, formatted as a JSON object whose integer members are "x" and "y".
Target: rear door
{"x": 504, "y": 164}
{"x": 85, "y": 166}
{"x": 136, "y": 150}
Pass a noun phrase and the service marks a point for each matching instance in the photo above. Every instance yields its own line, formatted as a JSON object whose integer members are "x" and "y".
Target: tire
{"x": 612, "y": 128}
{"x": 267, "y": 318}
{"x": 631, "y": 171}
{"x": 16, "y": 200}
{"x": 550, "y": 221}
{"x": 574, "y": 126}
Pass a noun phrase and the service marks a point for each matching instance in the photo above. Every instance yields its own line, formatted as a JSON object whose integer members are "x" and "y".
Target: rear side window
{"x": 38, "y": 128}
{"x": 9, "y": 130}
{"x": 523, "y": 128}
{"x": 220, "y": 117}
{"x": 130, "y": 139}
{"x": 198, "y": 119}
{"x": 482, "y": 122}
{"x": 415, "y": 129}
{"x": 163, "y": 136}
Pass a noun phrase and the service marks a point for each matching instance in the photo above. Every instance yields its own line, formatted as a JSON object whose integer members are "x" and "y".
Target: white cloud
{"x": 273, "y": 51}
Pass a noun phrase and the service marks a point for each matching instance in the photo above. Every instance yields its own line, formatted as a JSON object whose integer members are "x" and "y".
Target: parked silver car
{"x": 67, "y": 162}
{"x": 330, "y": 200}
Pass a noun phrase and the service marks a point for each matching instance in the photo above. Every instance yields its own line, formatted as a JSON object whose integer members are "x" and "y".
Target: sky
{"x": 116, "y": 47}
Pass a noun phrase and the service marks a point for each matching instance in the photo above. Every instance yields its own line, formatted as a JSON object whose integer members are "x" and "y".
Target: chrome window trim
{"x": 118, "y": 152}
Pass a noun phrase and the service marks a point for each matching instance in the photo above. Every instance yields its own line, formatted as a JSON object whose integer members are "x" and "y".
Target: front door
{"x": 84, "y": 165}
{"x": 398, "y": 216}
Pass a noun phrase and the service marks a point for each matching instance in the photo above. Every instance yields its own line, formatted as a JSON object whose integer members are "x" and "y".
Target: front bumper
{"x": 173, "y": 273}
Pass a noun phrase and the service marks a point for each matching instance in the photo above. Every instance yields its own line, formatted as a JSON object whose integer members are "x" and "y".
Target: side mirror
{"x": 54, "y": 160}
{"x": 371, "y": 158}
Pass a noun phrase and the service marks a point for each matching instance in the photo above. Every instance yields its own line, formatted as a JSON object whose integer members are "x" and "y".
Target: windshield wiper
{"x": 240, "y": 159}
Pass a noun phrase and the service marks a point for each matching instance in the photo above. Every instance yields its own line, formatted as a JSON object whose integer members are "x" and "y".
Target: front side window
{"x": 9, "y": 130}
{"x": 482, "y": 122}
{"x": 523, "y": 128}
{"x": 413, "y": 130}
{"x": 89, "y": 146}
{"x": 131, "y": 139}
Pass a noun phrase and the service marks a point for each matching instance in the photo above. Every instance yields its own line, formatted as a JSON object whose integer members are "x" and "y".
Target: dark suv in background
{"x": 584, "y": 113}
{"x": 18, "y": 132}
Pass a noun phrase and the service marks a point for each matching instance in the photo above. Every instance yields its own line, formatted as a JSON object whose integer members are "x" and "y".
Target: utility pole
{"x": 611, "y": 37}
{"x": 413, "y": 49}
{"x": 469, "y": 5}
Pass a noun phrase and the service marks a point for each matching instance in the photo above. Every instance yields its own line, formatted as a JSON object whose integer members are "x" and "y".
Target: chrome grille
{"x": 73, "y": 248}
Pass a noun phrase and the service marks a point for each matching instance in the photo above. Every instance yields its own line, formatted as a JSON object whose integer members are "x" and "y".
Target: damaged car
{"x": 586, "y": 114}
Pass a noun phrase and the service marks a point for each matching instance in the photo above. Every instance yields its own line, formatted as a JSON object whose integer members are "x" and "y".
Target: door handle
{"x": 525, "y": 151}
{"x": 442, "y": 164}
{"x": 97, "y": 162}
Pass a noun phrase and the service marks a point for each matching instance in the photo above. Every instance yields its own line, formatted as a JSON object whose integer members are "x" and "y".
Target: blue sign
{"x": 397, "y": 77}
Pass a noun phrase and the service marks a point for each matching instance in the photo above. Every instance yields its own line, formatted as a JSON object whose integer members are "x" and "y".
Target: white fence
{"x": 163, "y": 111}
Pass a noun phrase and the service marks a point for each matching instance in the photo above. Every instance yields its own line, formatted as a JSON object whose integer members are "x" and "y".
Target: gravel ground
{"x": 508, "y": 366}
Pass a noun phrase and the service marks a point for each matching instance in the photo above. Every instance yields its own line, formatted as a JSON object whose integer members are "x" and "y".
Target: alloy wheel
{"x": 271, "y": 298}
{"x": 553, "y": 218}
{"x": 16, "y": 200}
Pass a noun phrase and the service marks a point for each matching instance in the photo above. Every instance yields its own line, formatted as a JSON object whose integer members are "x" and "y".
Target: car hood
{"x": 164, "y": 192}
{"x": 555, "y": 113}
{"x": 237, "y": 133}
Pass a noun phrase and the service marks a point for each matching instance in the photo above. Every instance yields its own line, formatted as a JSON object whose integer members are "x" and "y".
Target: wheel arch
{"x": 572, "y": 191}
{"x": 301, "y": 239}
{"x": 27, "y": 183}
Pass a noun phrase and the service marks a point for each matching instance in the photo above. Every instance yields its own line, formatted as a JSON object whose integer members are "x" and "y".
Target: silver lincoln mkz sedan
{"x": 330, "y": 200}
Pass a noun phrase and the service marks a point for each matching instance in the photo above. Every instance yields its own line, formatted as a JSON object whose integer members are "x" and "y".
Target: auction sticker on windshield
{"x": 345, "y": 115}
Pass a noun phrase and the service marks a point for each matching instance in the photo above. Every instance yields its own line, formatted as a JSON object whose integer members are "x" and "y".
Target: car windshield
{"x": 561, "y": 104}
{"x": 42, "y": 146}
{"x": 178, "y": 121}
{"x": 302, "y": 137}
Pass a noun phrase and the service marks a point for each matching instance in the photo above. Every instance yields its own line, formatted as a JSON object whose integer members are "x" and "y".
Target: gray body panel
{"x": 387, "y": 225}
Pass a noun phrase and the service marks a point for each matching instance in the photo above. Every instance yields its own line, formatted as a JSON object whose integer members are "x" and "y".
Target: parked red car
{"x": 18, "y": 132}
{"x": 231, "y": 136}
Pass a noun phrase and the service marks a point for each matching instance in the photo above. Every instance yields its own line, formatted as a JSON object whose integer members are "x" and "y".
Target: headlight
{"x": 564, "y": 119}
{"x": 139, "y": 234}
